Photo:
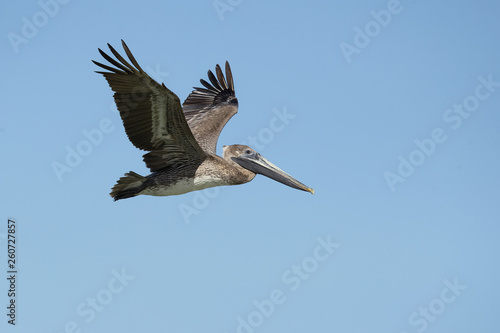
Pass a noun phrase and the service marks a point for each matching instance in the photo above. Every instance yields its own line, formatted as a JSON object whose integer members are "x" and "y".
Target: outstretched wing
{"x": 208, "y": 109}
{"x": 152, "y": 114}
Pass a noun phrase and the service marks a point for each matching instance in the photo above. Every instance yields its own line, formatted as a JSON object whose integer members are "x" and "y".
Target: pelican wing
{"x": 208, "y": 109}
{"x": 152, "y": 114}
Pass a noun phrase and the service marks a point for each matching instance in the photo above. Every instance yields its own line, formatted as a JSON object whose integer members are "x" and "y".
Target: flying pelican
{"x": 181, "y": 140}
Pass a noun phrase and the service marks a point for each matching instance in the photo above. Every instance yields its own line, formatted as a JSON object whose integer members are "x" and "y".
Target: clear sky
{"x": 390, "y": 110}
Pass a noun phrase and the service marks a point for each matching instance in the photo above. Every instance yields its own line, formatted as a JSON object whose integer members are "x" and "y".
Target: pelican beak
{"x": 260, "y": 165}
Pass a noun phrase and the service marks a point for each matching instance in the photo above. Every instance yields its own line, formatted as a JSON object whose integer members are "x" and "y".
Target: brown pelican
{"x": 181, "y": 140}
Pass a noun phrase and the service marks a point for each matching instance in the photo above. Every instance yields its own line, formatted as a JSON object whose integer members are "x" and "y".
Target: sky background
{"x": 383, "y": 107}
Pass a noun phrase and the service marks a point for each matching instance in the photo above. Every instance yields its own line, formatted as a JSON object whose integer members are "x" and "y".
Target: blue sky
{"x": 388, "y": 109}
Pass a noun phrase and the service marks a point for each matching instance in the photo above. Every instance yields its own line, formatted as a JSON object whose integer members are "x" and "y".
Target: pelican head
{"x": 254, "y": 162}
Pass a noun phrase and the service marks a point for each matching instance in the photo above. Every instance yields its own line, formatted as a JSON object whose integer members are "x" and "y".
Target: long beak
{"x": 260, "y": 165}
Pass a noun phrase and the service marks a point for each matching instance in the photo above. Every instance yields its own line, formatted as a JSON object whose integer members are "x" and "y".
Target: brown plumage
{"x": 181, "y": 140}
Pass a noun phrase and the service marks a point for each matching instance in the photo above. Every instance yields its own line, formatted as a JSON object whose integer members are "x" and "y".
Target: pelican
{"x": 181, "y": 140}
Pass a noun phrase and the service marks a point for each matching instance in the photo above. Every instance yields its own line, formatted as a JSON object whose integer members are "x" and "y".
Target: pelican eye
{"x": 248, "y": 151}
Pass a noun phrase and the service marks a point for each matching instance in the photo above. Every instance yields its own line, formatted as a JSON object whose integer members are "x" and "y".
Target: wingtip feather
{"x": 218, "y": 90}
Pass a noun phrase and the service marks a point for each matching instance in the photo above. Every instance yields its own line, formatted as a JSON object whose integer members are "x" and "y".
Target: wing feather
{"x": 208, "y": 109}
{"x": 152, "y": 114}
{"x": 220, "y": 77}
{"x": 214, "y": 81}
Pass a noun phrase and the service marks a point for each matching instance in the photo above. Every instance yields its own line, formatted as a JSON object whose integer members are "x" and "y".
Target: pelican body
{"x": 180, "y": 139}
